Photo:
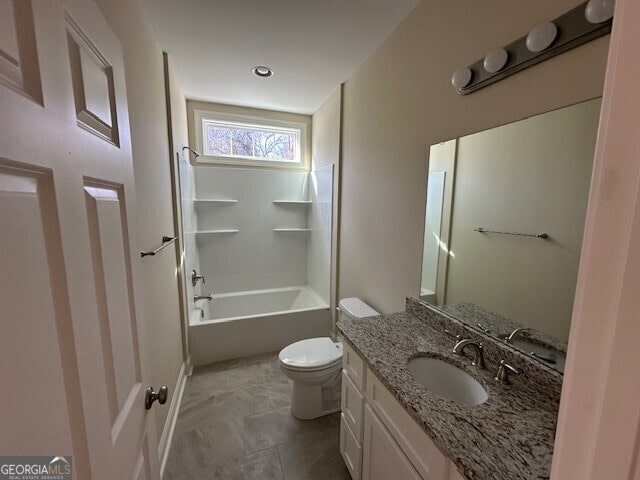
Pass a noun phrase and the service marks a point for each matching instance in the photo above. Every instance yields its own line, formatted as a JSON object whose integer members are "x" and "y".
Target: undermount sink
{"x": 447, "y": 381}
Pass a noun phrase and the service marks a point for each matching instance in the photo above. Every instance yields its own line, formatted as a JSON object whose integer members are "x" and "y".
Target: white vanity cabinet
{"x": 378, "y": 439}
{"x": 382, "y": 458}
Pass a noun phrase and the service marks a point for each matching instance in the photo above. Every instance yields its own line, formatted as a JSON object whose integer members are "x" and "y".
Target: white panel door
{"x": 72, "y": 350}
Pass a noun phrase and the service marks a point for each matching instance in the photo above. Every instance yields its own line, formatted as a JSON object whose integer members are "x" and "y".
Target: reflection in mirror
{"x": 490, "y": 195}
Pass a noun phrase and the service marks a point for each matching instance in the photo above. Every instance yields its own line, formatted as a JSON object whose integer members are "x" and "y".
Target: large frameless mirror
{"x": 504, "y": 221}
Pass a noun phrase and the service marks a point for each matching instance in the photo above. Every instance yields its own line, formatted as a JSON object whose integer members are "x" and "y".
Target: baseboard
{"x": 164, "y": 445}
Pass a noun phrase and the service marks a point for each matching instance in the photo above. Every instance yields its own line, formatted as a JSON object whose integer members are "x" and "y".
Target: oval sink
{"x": 447, "y": 381}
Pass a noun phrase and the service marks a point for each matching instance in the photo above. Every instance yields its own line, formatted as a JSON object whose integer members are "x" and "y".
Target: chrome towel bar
{"x": 166, "y": 241}
{"x": 537, "y": 235}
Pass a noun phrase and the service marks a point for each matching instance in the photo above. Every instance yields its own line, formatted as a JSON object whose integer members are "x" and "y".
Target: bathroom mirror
{"x": 504, "y": 221}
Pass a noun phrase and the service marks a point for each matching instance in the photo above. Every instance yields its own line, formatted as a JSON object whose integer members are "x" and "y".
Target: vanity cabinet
{"x": 378, "y": 438}
{"x": 382, "y": 458}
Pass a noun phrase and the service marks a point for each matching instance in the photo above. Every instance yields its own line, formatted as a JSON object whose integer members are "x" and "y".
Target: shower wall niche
{"x": 262, "y": 239}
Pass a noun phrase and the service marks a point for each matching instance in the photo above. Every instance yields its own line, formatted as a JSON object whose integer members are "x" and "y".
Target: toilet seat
{"x": 312, "y": 354}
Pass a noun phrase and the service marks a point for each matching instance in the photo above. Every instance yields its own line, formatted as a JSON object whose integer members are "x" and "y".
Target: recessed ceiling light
{"x": 262, "y": 71}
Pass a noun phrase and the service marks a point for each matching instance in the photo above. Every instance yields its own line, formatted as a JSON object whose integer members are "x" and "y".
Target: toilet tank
{"x": 355, "y": 308}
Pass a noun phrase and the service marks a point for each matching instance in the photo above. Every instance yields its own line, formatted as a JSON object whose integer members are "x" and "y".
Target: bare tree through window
{"x": 251, "y": 142}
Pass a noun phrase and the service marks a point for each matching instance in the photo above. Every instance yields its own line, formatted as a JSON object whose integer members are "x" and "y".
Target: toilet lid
{"x": 311, "y": 353}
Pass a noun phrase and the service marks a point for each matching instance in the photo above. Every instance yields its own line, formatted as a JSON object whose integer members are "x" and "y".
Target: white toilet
{"x": 315, "y": 365}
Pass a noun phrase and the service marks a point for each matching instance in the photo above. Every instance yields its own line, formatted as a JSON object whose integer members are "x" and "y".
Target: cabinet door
{"x": 350, "y": 449}
{"x": 382, "y": 457}
{"x": 352, "y": 405}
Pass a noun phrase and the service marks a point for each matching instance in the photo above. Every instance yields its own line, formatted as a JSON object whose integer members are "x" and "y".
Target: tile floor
{"x": 234, "y": 423}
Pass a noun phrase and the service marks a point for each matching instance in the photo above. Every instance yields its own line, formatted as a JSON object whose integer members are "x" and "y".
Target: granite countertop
{"x": 509, "y": 437}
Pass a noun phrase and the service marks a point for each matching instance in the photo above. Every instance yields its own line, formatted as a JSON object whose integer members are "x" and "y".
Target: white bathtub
{"x": 258, "y": 321}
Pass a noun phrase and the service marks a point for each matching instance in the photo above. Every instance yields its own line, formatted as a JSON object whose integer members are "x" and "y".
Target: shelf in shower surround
{"x": 291, "y": 229}
{"x": 292, "y": 202}
{"x": 204, "y": 201}
{"x": 223, "y": 230}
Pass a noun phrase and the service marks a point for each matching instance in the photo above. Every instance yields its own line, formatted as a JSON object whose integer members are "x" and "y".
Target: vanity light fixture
{"x": 599, "y": 11}
{"x": 542, "y": 36}
{"x": 496, "y": 60}
{"x": 461, "y": 77}
{"x": 262, "y": 71}
{"x": 583, "y": 23}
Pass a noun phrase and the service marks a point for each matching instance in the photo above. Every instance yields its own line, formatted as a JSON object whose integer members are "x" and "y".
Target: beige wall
{"x": 599, "y": 421}
{"x": 325, "y": 148}
{"x": 400, "y": 101}
{"x": 148, "y": 116}
{"x": 531, "y": 176}
{"x": 179, "y": 136}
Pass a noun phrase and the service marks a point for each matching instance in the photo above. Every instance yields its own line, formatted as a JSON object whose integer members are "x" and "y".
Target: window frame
{"x": 201, "y": 116}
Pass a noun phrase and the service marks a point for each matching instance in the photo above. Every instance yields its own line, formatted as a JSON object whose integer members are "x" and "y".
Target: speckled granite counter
{"x": 509, "y": 437}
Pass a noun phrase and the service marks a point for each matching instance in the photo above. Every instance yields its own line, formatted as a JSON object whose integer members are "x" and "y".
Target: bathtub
{"x": 239, "y": 324}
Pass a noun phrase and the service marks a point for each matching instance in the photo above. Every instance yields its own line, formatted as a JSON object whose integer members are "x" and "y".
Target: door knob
{"x": 151, "y": 396}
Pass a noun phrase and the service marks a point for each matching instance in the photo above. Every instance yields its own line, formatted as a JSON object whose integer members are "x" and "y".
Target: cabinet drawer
{"x": 352, "y": 405}
{"x": 350, "y": 449}
{"x": 414, "y": 442}
{"x": 354, "y": 365}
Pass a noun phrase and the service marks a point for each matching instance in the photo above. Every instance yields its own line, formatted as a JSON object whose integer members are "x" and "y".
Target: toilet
{"x": 314, "y": 366}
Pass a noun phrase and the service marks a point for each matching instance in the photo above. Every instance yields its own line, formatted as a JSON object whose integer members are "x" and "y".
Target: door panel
{"x": 19, "y": 67}
{"x": 106, "y": 216}
{"x": 32, "y": 323}
{"x": 93, "y": 87}
{"x": 71, "y": 336}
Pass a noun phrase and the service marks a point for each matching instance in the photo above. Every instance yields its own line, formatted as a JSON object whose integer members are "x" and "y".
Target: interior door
{"x": 72, "y": 365}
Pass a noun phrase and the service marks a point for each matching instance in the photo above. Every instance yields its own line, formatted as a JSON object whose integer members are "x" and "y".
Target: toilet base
{"x": 310, "y": 401}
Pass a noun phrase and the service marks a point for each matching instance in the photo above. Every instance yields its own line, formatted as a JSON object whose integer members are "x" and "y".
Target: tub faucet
{"x": 515, "y": 333}
{"x": 202, "y": 297}
{"x": 466, "y": 342}
{"x": 195, "y": 277}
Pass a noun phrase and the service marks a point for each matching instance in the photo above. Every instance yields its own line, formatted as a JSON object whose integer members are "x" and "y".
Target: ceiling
{"x": 312, "y": 45}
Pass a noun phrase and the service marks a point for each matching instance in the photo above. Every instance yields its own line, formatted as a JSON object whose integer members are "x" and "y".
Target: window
{"x": 250, "y": 141}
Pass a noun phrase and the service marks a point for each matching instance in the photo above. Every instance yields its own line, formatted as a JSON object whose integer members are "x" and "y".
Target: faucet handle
{"x": 195, "y": 277}
{"x": 479, "y": 360}
{"x": 503, "y": 372}
{"x": 450, "y": 333}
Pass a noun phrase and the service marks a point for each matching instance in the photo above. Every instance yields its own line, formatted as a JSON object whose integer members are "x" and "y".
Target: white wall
{"x": 320, "y": 223}
{"x": 326, "y": 150}
{"x": 432, "y": 231}
{"x": 179, "y": 137}
{"x": 442, "y": 158}
{"x": 400, "y": 101}
{"x": 189, "y": 226}
{"x": 256, "y": 257}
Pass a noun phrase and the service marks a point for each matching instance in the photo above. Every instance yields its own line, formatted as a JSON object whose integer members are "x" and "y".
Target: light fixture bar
{"x": 573, "y": 30}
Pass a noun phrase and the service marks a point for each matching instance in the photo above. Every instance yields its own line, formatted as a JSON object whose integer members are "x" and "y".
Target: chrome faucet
{"x": 195, "y": 277}
{"x": 466, "y": 342}
{"x": 202, "y": 297}
{"x": 503, "y": 372}
{"x": 515, "y": 333}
